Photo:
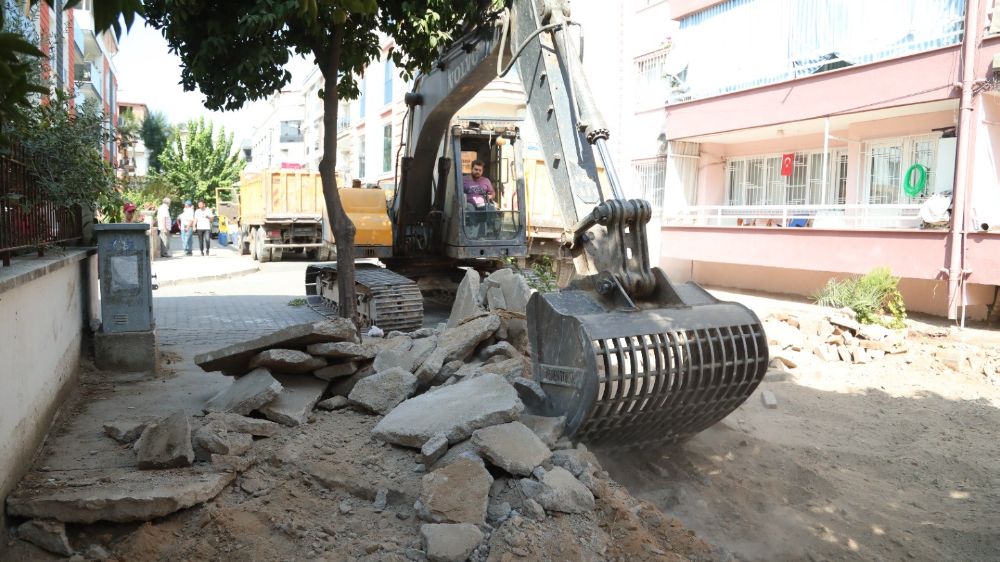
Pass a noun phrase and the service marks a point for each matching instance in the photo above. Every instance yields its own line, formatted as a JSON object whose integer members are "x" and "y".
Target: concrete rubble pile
{"x": 455, "y": 396}
{"x": 836, "y": 336}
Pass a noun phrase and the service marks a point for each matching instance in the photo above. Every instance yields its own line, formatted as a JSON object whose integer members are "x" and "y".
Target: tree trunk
{"x": 343, "y": 228}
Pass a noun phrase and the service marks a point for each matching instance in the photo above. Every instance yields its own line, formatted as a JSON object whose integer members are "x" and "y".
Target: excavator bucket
{"x": 650, "y": 373}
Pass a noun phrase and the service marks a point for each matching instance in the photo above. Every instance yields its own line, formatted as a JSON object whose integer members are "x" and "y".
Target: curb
{"x": 203, "y": 278}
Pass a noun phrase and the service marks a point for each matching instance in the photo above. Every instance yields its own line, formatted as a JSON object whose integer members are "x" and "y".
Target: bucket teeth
{"x": 659, "y": 375}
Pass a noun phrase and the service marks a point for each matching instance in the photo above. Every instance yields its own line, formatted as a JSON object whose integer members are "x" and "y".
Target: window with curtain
{"x": 683, "y": 159}
{"x": 741, "y": 44}
{"x": 757, "y": 180}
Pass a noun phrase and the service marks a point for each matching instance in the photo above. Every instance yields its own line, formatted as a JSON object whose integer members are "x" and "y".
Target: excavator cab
{"x": 480, "y": 225}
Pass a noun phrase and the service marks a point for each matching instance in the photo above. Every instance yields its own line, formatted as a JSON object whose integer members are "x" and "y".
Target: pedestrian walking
{"x": 203, "y": 226}
{"x": 163, "y": 223}
{"x": 187, "y": 227}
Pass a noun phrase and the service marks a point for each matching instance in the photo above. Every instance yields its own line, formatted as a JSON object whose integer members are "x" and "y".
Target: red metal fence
{"x": 26, "y": 220}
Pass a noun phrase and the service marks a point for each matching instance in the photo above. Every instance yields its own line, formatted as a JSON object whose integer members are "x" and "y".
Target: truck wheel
{"x": 263, "y": 254}
{"x": 244, "y": 242}
{"x": 276, "y": 254}
{"x": 252, "y": 243}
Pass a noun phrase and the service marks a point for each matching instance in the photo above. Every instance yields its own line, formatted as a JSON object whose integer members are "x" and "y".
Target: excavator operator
{"x": 479, "y": 199}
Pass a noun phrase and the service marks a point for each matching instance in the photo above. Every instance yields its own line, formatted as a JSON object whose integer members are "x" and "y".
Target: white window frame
{"x": 907, "y": 146}
{"x": 769, "y": 187}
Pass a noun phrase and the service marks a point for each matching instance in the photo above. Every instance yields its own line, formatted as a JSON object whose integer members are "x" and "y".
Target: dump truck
{"x": 281, "y": 212}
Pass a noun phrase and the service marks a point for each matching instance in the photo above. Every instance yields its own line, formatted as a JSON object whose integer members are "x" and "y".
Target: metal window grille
{"x": 886, "y": 163}
{"x": 757, "y": 180}
{"x": 652, "y": 82}
{"x": 651, "y": 177}
{"x": 387, "y": 148}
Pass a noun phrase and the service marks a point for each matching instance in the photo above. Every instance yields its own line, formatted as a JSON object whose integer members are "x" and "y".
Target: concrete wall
{"x": 42, "y": 339}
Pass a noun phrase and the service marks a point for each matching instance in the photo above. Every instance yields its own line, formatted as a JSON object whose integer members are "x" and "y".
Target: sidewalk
{"x": 221, "y": 263}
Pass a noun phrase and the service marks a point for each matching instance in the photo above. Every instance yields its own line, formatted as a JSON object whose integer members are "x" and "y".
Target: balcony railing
{"x": 836, "y": 217}
{"x": 343, "y": 122}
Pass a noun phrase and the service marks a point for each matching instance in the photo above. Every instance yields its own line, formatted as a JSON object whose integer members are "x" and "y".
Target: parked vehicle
{"x": 281, "y": 212}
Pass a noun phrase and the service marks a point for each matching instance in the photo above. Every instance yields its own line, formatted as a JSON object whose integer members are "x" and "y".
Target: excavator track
{"x": 385, "y": 299}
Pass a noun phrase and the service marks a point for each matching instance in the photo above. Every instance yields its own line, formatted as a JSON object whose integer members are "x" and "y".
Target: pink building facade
{"x": 802, "y": 140}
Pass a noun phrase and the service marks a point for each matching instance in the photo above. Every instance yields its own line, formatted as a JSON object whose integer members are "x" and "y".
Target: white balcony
{"x": 832, "y": 217}
{"x": 84, "y": 35}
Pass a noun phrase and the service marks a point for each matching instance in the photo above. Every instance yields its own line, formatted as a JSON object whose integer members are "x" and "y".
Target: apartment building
{"x": 800, "y": 140}
{"x": 279, "y": 142}
{"x": 133, "y": 159}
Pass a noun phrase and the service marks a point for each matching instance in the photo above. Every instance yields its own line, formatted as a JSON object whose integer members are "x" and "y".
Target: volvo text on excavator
{"x": 639, "y": 359}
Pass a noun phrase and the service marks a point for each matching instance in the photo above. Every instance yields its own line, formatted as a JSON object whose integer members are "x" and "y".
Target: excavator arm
{"x": 627, "y": 356}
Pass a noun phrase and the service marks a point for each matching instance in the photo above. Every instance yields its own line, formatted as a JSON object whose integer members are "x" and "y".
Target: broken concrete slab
{"x": 455, "y": 411}
{"x": 333, "y": 403}
{"x": 246, "y": 394}
{"x": 576, "y": 461}
{"x": 118, "y": 495}
{"x": 166, "y": 443}
{"x": 343, "y": 350}
{"x": 286, "y": 361}
{"x": 456, "y": 344}
{"x": 46, "y": 534}
{"x": 512, "y": 447}
{"x": 343, "y": 386}
{"x": 564, "y": 493}
{"x": 232, "y": 463}
{"x": 466, "y": 304}
{"x": 392, "y": 359}
{"x": 548, "y": 429}
{"x": 445, "y": 542}
{"x": 434, "y": 449}
{"x": 125, "y": 431}
{"x": 457, "y": 493}
{"x": 242, "y": 424}
{"x": 215, "y": 438}
{"x": 463, "y": 449}
{"x": 495, "y": 300}
{"x": 336, "y": 371}
{"x": 383, "y": 391}
{"x": 296, "y": 401}
{"x": 500, "y": 348}
{"x": 421, "y": 350}
{"x": 233, "y": 359}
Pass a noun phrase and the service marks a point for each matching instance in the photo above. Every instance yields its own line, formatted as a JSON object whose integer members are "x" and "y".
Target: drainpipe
{"x": 970, "y": 41}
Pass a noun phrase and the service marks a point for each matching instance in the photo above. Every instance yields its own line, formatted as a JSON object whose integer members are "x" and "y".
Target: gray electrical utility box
{"x": 126, "y": 281}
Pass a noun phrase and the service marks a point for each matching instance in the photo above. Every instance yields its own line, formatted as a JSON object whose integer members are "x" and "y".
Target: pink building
{"x": 799, "y": 140}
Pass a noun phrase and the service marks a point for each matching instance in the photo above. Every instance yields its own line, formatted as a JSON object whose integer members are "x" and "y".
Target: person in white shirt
{"x": 163, "y": 224}
{"x": 203, "y": 226}
{"x": 187, "y": 227}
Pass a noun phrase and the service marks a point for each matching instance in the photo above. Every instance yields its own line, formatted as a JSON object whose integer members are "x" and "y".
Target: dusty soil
{"x": 309, "y": 497}
{"x": 893, "y": 460}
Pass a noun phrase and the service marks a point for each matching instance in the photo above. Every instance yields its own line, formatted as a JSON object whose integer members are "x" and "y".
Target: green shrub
{"x": 874, "y": 297}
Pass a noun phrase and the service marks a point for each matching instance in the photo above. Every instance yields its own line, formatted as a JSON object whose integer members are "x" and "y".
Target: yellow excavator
{"x": 627, "y": 356}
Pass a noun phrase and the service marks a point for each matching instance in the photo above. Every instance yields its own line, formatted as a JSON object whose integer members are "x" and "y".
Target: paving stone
{"x": 246, "y": 394}
{"x": 564, "y": 493}
{"x": 46, "y": 534}
{"x": 450, "y": 542}
{"x": 457, "y": 493}
{"x": 466, "y": 304}
{"x": 343, "y": 350}
{"x": 383, "y": 391}
{"x": 455, "y": 411}
{"x": 457, "y": 344}
{"x": 242, "y": 424}
{"x": 512, "y": 447}
{"x": 333, "y": 403}
{"x": 125, "y": 431}
{"x": 295, "y": 402}
{"x": 166, "y": 443}
{"x": 548, "y": 429}
{"x": 113, "y": 494}
{"x": 434, "y": 449}
{"x": 234, "y": 359}
{"x": 336, "y": 371}
{"x": 286, "y": 361}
